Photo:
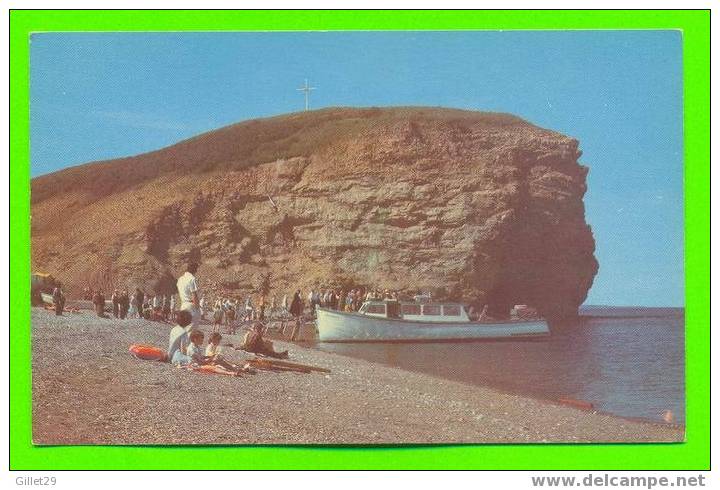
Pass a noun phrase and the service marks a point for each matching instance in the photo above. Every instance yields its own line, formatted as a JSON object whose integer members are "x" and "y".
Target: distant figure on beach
{"x": 173, "y": 307}
{"x": 190, "y": 293}
{"x": 166, "y": 307}
{"x": 218, "y": 314}
{"x": 230, "y": 319}
{"x": 261, "y": 308}
{"x": 115, "y": 298}
{"x": 99, "y": 302}
{"x": 248, "y": 308}
{"x": 140, "y": 301}
{"x": 296, "y": 310}
{"x": 124, "y": 303}
{"x": 255, "y": 343}
{"x": 133, "y": 310}
{"x": 58, "y": 300}
{"x": 157, "y": 307}
{"x": 203, "y": 306}
{"x": 179, "y": 340}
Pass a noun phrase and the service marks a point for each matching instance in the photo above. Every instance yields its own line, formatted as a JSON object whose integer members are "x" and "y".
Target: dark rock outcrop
{"x": 476, "y": 206}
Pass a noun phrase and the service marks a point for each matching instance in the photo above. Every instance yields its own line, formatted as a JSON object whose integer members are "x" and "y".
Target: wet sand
{"x": 87, "y": 389}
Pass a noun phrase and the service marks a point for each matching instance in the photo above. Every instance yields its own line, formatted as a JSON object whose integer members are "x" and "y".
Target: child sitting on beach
{"x": 213, "y": 348}
{"x": 193, "y": 349}
{"x": 212, "y": 354}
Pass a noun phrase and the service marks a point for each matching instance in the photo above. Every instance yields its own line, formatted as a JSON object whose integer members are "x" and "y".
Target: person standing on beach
{"x": 99, "y": 302}
{"x": 124, "y": 304}
{"x": 296, "y": 310}
{"x": 203, "y": 305}
{"x": 249, "y": 308}
{"x": 140, "y": 301}
{"x": 157, "y": 307}
{"x": 187, "y": 286}
{"x": 285, "y": 305}
{"x": 166, "y": 307}
{"x": 115, "y": 298}
{"x": 261, "y": 308}
{"x": 133, "y": 311}
{"x": 58, "y": 300}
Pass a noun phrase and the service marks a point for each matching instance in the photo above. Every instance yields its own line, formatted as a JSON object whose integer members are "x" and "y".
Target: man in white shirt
{"x": 190, "y": 293}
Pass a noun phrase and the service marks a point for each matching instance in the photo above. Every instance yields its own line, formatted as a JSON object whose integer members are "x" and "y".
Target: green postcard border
{"x": 693, "y": 454}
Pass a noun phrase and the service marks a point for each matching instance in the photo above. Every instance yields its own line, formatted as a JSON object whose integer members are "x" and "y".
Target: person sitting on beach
{"x": 193, "y": 349}
{"x": 255, "y": 343}
{"x": 177, "y": 349}
{"x": 213, "y": 348}
{"x": 212, "y": 354}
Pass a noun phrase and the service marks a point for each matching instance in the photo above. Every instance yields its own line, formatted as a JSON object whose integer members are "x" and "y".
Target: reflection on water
{"x": 623, "y": 363}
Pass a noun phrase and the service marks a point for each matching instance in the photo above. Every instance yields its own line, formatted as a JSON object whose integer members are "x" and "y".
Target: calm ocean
{"x": 627, "y": 361}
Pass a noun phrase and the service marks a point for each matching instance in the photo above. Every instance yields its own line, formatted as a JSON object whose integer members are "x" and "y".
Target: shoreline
{"x": 507, "y": 391}
{"x": 87, "y": 389}
{"x": 312, "y": 343}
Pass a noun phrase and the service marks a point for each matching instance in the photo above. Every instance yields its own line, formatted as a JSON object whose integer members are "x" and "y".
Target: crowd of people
{"x": 346, "y": 300}
{"x": 230, "y": 311}
{"x": 159, "y": 307}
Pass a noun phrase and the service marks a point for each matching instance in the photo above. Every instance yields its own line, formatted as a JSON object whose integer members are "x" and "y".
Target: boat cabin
{"x": 418, "y": 312}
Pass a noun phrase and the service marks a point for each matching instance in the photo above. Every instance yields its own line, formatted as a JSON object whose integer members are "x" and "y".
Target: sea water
{"x": 626, "y": 361}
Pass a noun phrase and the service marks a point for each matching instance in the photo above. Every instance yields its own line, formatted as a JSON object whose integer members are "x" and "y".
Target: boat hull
{"x": 335, "y": 326}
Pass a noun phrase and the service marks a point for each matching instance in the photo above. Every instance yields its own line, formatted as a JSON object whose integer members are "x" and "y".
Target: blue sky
{"x": 98, "y": 96}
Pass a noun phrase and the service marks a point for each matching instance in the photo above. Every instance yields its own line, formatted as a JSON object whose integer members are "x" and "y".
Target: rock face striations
{"x": 481, "y": 207}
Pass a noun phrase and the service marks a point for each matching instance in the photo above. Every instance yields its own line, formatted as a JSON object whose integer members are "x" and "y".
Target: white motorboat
{"x": 393, "y": 321}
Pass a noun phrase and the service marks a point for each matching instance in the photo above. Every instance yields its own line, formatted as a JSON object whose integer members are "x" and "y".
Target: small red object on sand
{"x": 572, "y": 402}
{"x": 148, "y": 352}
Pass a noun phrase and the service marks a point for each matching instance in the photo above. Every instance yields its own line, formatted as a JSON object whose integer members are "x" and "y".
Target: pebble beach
{"x": 88, "y": 389}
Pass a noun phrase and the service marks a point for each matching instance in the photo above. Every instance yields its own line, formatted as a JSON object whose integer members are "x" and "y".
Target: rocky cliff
{"x": 482, "y": 207}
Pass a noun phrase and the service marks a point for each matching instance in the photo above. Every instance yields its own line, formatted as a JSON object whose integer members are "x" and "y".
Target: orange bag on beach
{"x": 147, "y": 352}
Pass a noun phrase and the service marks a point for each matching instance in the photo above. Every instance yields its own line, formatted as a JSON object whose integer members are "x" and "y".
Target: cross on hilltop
{"x": 306, "y": 89}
